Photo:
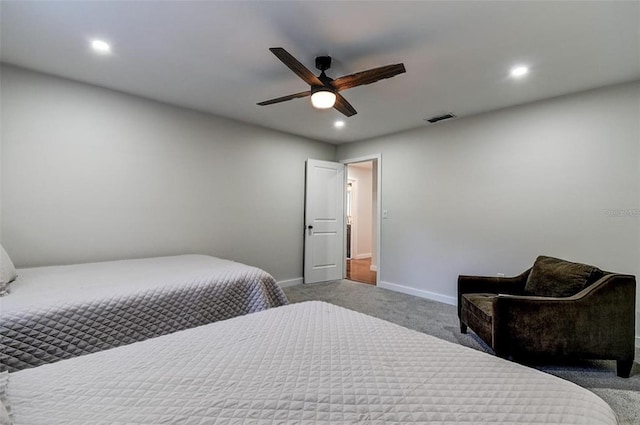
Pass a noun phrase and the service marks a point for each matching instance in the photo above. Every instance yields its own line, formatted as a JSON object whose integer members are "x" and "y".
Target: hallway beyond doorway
{"x": 359, "y": 270}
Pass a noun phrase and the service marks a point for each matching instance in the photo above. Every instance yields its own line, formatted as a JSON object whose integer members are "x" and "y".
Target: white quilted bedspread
{"x": 309, "y": 363}
{"x": 55, "y": 313}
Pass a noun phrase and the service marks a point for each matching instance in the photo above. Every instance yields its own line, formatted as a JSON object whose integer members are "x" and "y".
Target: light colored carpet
{"x": 441, "y": 320}
{"x": 625, "y": 403}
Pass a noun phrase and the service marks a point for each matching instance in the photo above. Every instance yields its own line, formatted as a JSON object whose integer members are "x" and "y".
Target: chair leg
{"x": 624, "y": 368}
{"x": 463, "y": 328}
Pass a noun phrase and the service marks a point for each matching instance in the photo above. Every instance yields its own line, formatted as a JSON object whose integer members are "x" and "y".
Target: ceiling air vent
{"x": 434, "y": 120}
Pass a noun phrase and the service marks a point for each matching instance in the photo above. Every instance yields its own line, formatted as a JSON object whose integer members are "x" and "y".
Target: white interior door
{"x": 324, "y": 221}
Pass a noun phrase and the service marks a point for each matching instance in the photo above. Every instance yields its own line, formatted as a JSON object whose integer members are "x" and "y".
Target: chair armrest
{"x": 595, "y": 322}
{"x": 491, "y": 285}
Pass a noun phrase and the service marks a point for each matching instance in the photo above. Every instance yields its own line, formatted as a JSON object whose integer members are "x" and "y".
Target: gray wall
{"x": 487, "y": 194}
{"x": 92, "y": 174}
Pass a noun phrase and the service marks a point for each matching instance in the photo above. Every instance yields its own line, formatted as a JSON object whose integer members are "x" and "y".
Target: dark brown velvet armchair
{"x": 592, "y": 316}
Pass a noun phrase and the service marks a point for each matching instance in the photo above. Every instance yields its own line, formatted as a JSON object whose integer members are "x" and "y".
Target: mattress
{"x": 308, "y": 363}
{"x": 55, "y": 313}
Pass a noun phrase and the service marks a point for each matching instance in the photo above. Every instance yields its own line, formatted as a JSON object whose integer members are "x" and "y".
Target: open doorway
{"x": 361, "y": 204}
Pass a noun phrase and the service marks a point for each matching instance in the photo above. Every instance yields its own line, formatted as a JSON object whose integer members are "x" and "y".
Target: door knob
{"x": 309, "y": 227}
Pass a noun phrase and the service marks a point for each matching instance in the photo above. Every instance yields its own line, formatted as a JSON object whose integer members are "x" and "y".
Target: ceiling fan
{"x": 324, "y": 90}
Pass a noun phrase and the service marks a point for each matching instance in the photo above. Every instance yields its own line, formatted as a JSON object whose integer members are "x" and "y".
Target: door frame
{"x": 377, "y": 208}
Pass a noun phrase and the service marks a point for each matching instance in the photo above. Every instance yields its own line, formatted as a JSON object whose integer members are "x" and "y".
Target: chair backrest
{"x": 554, "y": 277}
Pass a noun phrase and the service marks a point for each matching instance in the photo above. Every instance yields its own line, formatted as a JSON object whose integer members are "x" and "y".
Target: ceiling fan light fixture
{"x": 323, "y": 98}
{"x": 324, "y": 90}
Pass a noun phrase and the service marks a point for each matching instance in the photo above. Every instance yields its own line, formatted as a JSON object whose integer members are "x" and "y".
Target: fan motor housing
{"x": 323, "y": 62}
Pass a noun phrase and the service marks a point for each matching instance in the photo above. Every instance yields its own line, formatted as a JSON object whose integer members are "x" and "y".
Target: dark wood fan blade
{"x": 367, "y": 77}
{"x": 343, "y": 106}
{"x": 285, "y": 98}
{"x": 293, "y": 64}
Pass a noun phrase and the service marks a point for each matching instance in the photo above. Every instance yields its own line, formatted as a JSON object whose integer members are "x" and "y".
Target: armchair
{"x": 554, "y": 309}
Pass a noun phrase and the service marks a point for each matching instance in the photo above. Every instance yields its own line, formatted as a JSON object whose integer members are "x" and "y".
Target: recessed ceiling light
{"x": 100, "y": 46}
{"x": 338, "y": 124}
{"x": 519, "y": 71}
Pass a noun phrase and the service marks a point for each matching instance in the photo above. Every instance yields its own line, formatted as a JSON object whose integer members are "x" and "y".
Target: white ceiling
{"x": 213, "y": 56}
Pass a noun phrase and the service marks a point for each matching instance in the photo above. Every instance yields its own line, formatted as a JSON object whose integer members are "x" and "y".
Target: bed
{"x": 55, "y": 313}
{"x": 308, "y": 363}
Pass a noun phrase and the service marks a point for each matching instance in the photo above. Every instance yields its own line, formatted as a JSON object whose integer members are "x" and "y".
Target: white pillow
{"x": 5, "y": 419}
{"x": 5, "y": 408}
{"x": 7, "y": 271}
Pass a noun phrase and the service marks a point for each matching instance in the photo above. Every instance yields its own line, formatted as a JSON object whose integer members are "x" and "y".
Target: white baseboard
{"x": 419, "y": 293}
{"x": 363, "y": 256}
{"x": 373, "y": 268}
{"x": 290, "y": 282}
